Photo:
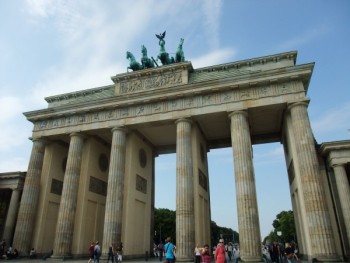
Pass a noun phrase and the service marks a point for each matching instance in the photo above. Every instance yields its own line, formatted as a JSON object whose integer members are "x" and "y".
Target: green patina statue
{"x": 163, "y": 56}
{"x": 134, "y": 65}
{"x": 146, "y": 61}
{"x": 180, "y": 56}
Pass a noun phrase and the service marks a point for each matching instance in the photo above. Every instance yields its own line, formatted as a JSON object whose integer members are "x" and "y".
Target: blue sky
{"x": 50, "y": 47}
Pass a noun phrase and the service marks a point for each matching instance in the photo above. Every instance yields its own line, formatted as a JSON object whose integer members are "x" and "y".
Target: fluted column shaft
{"x": 247, "y": 205}
{"x": 342, "y": 183}
{"x": 184, "y": 192}
{"x": 28, "y": 207}
{"x": 115, "y": 190}
{"x": 66, "y": 213}
{"x": 11, "y": 216}
{"x": 321, "y": 235}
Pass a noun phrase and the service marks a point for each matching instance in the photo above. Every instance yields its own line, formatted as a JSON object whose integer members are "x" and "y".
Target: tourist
{"x": 206, "y": 257}
{"x": 120, "y": 252}
{"x": 111, "y": 253}
{"x": 160, "y": 250}
{"x": 97, "y": 252}
{"x": 220, "y": 255}
{"x": 197, "y": 253}
{"x": 289, "y": 253}
{"x": 91, "y": 251}
{"x": 32, "y": 253}
{"x": 169, "y": 250}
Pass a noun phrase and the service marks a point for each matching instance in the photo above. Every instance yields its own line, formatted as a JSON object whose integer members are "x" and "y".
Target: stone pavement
{"x": 85, "y": 260}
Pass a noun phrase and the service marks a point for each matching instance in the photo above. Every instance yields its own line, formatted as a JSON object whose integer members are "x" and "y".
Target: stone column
{"x": 247, "y": 205}
{"x": 115, "y": 191}
{"x": 318, "y": 218}
{"x": 184, "y": 192}
{"x": 66, "y": 212}
{"x": 11, "y": 216}
{"x": 28, "y": 208}
{"x": 344, "y": 194}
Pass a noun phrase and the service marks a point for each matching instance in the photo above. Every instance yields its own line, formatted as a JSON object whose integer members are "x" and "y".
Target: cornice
{"x": 328, "y": 147}
{"x": 279, "y": 75}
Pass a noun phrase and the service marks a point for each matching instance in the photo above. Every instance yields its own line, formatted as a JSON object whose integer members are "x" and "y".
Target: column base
{"x": 252, "y": 259}
{"x": 327, "y": 259}
{"x": 184, "y": 259}
{"x": 59, "y": 257}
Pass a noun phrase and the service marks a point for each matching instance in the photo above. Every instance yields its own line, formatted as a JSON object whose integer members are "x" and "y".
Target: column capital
{"x": 79, "y": 134}
{"x": 242, "y": 112}
{"x": 334, "y": 165}
{"x": 299, "y": 103}
{"x": 184, "y": 120}
{"x": 119, "y": 128}
{"x": 39, "y": 139}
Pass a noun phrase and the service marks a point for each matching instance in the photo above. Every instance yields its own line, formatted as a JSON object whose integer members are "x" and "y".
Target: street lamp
{"x": 279, "y": 234}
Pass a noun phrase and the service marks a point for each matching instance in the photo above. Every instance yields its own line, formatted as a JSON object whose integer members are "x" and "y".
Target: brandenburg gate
{"x": 91, "y": 171}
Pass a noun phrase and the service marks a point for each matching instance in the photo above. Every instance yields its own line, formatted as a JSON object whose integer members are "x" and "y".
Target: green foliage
{"x": 283, "y": 223}
{"x": 218, "y": 232}
{"x": 164, "y": 224}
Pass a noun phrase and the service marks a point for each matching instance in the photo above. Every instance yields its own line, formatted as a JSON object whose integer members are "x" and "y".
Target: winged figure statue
{"x": 161, "y": 35}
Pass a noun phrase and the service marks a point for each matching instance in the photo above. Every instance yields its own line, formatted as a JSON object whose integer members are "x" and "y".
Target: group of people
{"x": 276, "y": 253}
{"x": 7, "y": 252}
{"x": 168, "y": 250}
{"x": 115, "y": 253}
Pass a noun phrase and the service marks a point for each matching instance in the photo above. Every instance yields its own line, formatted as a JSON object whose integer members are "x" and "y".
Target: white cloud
{"x": 336, "y": 119}
{"x": 304, "y": 38}
{"x": 216, "y": 57}
{"x": 212, "y": 12}
{"x": 41, "y": 8}
{"x": 13, "y": 164}
{"x": 9, "y": 108}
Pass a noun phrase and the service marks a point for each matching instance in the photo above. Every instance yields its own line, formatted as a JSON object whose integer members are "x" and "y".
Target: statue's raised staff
{"x": 145, "y": 60}
{"x": 180, "y": 56}
{"x": 163, "y": 55}
{"x": 134, "y": 65}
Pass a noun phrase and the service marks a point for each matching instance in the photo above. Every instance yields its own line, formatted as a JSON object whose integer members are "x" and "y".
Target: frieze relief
{"x": 197, "y": 101}
{"x": 146, "y": 83}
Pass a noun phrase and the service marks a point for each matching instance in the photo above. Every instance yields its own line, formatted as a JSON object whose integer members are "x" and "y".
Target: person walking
{"x": 197, "y": 253}
{"x": 160, "y": 250}
{"x": 289, "y": 253}
{"x": 169, "y": 250}
{"x": 205, "y": 255}
{"x": 111, "y": 253}
{"x": 97, "y": 252}
{"x": 120, "y": 252}
{"x": 220, "y": 255}
{"x": 91, "y": 251}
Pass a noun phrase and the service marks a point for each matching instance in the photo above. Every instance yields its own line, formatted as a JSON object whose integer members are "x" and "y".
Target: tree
{"x": 218, "y": 232}
{"x": 164, "y": 224}
{"x": 284, "y": 223}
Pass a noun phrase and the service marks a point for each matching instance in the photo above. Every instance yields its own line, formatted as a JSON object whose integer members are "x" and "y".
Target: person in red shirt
{"x": 220, "y": 253}
{"x": 206, "y": 257}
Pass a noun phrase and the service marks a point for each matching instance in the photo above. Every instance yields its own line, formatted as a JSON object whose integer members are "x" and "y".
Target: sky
{"x": 51, "y": 47}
